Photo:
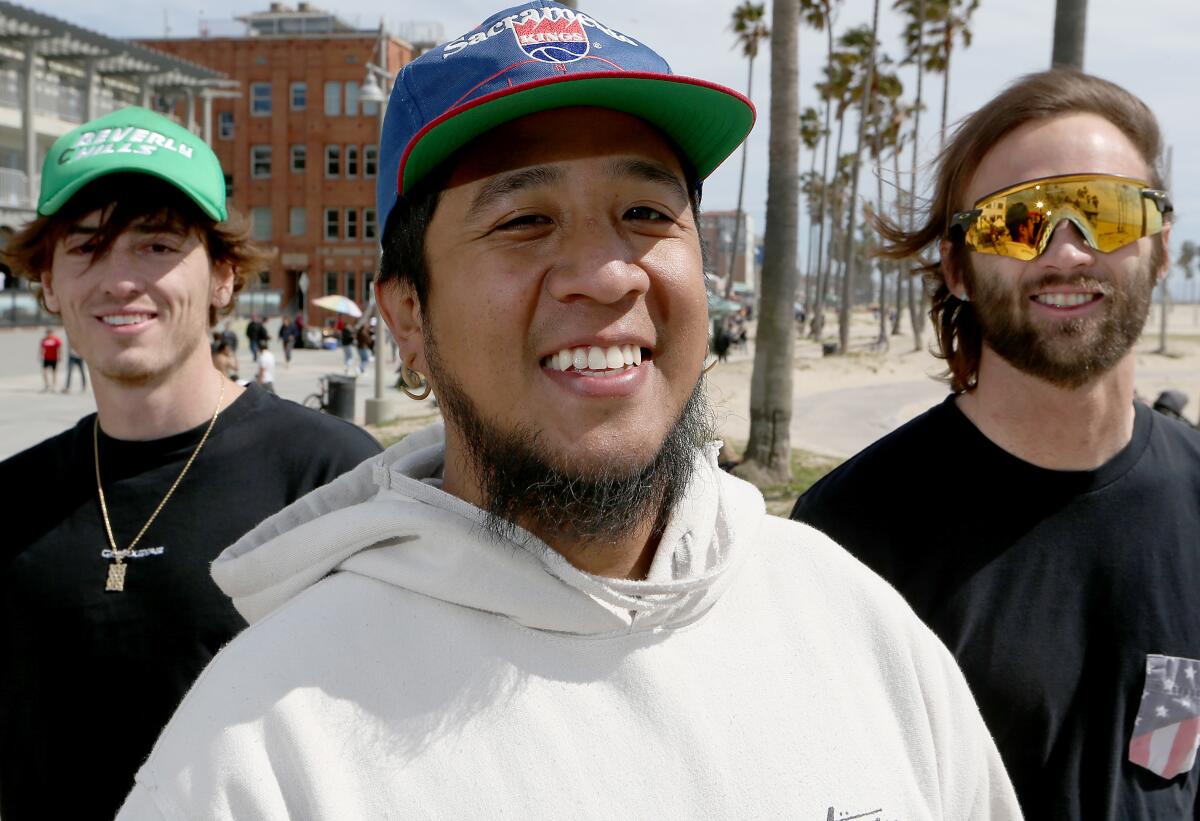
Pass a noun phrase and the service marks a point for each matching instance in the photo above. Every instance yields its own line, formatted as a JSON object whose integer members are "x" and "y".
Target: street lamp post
{"x": 379, "y": 409}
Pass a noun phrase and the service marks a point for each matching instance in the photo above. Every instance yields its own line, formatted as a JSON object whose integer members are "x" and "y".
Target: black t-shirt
{"x": 89, "y": 678}
{"x": 1051, "y": 588}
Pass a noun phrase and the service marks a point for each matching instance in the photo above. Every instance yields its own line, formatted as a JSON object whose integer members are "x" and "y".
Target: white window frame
{"x": 258, "y": 154}
{"x": 351, "y": 160}
{"x": 369, "y": 226}
{"x": 299, "y": 150}
{"x": 350, "y": 225}
{"x": 370, "y": 160}
{"x": 225, "y": 125}
{"x": 301, "y": 87}
{"x": 297, "y": 221}
{"x": 350, "y": 284}
{"x": 350, "y": 97}
{"x": 256, "y": 99}
{"x": 332, "y": 230}
{"x": 257, "y": 214}
{"x": 333, "y": 98}
{"x": 333, "y": 160}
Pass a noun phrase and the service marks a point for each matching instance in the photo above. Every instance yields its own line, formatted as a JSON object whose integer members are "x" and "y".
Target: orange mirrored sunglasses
{"x": 1109, "y": 211}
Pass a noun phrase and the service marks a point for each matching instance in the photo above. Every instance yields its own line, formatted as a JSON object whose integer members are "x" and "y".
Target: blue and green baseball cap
{"x": 133, "y": 140}
{"x": 534, "y": 57}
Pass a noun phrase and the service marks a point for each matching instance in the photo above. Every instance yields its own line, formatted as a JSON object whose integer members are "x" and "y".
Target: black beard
{"x": 524, "y": 484}
{"x": 1074, "y": 352}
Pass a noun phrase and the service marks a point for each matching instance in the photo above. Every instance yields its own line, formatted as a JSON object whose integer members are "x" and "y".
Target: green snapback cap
{"x": 133, "y": 140}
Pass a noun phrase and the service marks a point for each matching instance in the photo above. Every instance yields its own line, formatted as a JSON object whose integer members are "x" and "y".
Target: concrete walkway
{"x": 27, "y": 416}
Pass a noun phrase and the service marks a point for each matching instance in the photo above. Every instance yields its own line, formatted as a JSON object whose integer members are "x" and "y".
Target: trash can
{"x": 341, "y": 395}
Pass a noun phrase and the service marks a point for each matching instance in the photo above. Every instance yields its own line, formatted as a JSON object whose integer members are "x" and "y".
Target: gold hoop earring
{"x": 410, "y": 385}
{"x": 711, "y": 365}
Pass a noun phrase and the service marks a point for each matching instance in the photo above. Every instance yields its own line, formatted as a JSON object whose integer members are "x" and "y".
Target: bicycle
{"x": 319, "y": 401}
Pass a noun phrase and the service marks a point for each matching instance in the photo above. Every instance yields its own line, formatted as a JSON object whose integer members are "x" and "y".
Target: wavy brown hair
{"x": 125, "y": 199}
{"x": 1034, "y": 97}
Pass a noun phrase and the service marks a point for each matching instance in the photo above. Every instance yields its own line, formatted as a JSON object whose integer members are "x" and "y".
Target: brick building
{"x": 299, "y": 147}
{"x": 717, "y": 228}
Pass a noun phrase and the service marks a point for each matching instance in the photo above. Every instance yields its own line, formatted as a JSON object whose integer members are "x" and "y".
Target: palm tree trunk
{"x": 898, "y": 269}
{"x": 864, "y": 117}
{"x": 769, "y": 450}
{"x": 949, "y": 45}
{"x": 916, "y": 308}
{"x": 818, "y": 309}
{"x": 835, "y": 218}
{"x": 1070, "y": 26}
{"x": 737, "y": 225}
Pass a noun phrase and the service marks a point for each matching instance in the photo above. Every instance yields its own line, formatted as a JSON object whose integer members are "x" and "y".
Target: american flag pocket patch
{"x": 1166, "y": 731}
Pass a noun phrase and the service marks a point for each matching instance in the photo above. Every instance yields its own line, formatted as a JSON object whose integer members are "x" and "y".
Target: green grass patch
{"x": 807, "y": 468}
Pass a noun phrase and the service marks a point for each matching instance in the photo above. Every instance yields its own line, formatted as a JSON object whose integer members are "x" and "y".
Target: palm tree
{"x": 769, "y": 449}
{"x": 1070, "y": 23}
{"x": 887, "y": 130}
{"x": 914, "y": 36}
{"x": 751, "y": 29}
{"x": 947, "y": 21}
{"x": 866, "y": 95}
{"x": 819, "y": 14}
{"x": 811, "y": 134}
{"x": 836, "y": 91}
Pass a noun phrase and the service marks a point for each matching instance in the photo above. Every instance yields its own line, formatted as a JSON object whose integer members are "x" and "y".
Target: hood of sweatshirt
{"x": 389, "y": 520}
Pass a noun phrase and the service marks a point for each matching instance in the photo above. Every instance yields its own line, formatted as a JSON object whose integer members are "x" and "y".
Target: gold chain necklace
{"x": 116, "y": 571}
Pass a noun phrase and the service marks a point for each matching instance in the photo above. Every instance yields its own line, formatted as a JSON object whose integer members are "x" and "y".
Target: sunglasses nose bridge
{"x": 1084, "y": 236}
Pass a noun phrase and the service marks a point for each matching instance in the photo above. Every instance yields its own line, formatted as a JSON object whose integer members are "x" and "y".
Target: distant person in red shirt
{"x": 51, "y": 345}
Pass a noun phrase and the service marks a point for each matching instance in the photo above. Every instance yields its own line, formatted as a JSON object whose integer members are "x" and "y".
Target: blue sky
{"x": 1149, "y": 47}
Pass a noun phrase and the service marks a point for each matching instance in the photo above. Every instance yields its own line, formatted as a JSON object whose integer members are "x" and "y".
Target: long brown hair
{"x": 125, "y": 199}
{"x": 1033, "y": 97}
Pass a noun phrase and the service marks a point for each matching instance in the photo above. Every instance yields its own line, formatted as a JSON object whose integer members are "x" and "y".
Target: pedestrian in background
{"x": 362, "y": 341}
{"x": 49, "y": 348}
{"x": 287, "y": 337}
{"x": 254, "y": 329}
{"x": 74, "y": 360}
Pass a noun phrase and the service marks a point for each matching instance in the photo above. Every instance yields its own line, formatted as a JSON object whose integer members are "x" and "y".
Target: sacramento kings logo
{"x": 561, "y": 40}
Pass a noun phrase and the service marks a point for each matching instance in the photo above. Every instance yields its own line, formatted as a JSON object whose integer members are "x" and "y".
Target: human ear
{"x": 49, "y": 299}
{"x": 401, "y": 311}
{"x": 222, "y": 285}
{"x": 950, "y": 273}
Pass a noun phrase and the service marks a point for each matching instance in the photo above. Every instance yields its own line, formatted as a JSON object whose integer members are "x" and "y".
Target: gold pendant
{"x": 116, "y": 578}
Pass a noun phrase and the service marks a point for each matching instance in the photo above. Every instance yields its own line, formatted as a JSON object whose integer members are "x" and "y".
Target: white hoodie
{"x": 403, "y": 664}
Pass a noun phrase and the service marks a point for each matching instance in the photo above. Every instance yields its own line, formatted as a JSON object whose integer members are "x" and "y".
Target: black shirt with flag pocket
{"x": 1069, "y": 598}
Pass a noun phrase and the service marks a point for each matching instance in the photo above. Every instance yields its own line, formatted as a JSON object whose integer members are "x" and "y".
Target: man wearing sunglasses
{"x": 1042, "y": 522}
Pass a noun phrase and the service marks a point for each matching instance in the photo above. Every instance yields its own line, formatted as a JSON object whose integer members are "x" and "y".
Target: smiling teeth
{"x": 1064, "y": 300}
{"x": 125, "y": 319}
{"x": 594, "y": 358}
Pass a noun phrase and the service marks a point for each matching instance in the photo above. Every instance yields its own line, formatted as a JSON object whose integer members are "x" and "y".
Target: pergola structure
{"x": 32, "y": 40}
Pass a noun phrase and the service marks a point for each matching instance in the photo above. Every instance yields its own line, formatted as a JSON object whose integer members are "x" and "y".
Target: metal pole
{"x": 28, "y": 126}
{"x": 378, "y": 409}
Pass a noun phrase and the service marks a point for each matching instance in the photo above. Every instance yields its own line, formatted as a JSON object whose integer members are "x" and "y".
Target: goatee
{"x": 524, "y": 484}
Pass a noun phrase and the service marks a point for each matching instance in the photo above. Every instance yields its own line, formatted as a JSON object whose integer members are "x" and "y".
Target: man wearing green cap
{"x": 107, "y": 611}
{"x": 556, "y": 605}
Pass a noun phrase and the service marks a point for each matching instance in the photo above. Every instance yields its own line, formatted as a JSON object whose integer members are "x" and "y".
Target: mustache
{"x": 1087, "y": 281}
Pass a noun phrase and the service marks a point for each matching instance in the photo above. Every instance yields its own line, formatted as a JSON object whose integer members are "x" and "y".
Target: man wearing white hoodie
{"x": 557, "y": 605}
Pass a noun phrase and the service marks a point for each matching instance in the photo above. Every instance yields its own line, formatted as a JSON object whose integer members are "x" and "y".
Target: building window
{"x": 260, "y": 161}
{"x": 333, "y": 98}
{"x": 368, "y": 281}
{"x": 260, "y": 223}
{"x": 351, "y": 223}
{"x": 299, "y": 158}
{"x": 332, "y": 224}
{"x": 369, "y": 228}
{"x": 352, "y": 98}
{"x": 352, "y": 161}
{"x": 351, "y": 285}
{"x": 370, "y": 160}
{"x": 298, "y": 92}
{"x": 228, "y": 186}
{"x": 225, "y": 125}
{"x": 260, "y": 99}
{"x": 333, "y": 160}
{"x": 297, "y": 221}
{"x": 331, "y": 282}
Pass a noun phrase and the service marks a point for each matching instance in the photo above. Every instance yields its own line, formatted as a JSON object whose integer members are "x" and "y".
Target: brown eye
{"x": 645, "y": 212}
